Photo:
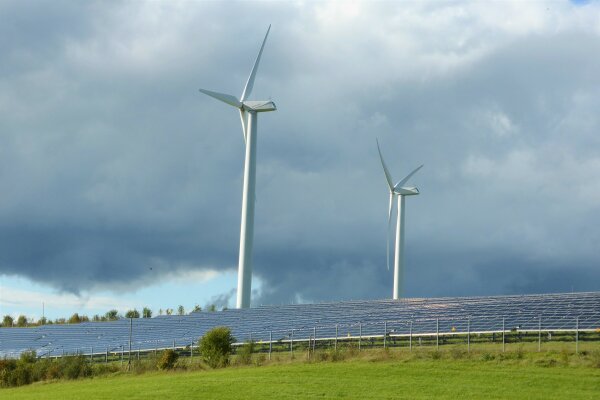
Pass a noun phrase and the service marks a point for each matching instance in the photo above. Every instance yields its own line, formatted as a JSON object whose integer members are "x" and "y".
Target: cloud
{"x": 22, "y": 298}
{"x": 116, "y": 170}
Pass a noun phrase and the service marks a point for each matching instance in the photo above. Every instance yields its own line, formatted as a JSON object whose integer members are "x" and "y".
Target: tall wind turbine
{"x": 249, "y": 110}
{"x": 397, "y": 191}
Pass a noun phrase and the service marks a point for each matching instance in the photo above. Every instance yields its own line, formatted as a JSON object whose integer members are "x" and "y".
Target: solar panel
{"x": 419, "y": 316}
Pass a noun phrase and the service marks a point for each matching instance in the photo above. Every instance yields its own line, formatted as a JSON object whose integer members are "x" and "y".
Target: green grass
{"x": 378, "y": 375}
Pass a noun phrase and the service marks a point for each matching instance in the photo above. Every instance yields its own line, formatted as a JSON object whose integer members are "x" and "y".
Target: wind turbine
{"x": 248, "y": 114}
{"x": 397, "y": 191}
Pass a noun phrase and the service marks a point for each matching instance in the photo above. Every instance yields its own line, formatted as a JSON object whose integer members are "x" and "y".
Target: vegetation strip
{"x": 415, "y": 378}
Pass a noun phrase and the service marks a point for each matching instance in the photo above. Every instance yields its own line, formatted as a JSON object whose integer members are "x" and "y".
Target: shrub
{"x": 39, "y": 369}
{"x": 215, "y": 346}
{"x": 75, "y": 367}
{"x": 104, "y": 369}
{"x": 7, "y": 366}
{"x": 54, "y": 370}
{"x": 245, "y": 353}
{"x": 28, "y": 357}
{"x": 167, "y": 359}
{"x": 21, "y": 375}
{"x": 260, "y": 359}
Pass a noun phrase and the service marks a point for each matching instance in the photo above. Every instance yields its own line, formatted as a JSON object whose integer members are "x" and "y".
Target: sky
{"x": 121, "y": 183}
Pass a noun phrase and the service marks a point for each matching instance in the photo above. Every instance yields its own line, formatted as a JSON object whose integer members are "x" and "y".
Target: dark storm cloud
{"x": 117, "y": 171}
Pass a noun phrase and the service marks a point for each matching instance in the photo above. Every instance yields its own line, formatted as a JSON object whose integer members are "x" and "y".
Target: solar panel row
{"x": 326, "y": 320}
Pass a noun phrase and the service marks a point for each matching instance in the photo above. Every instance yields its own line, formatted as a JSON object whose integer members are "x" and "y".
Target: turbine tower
{"x": 249, "y": 110}
{"x": 398, "y": 191}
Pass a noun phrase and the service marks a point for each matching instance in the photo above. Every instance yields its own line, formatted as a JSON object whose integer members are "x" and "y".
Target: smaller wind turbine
{"x": 400, "y": 191}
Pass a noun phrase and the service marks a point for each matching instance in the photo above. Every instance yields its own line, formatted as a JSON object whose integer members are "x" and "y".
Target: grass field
{"x": 376, "y": 375}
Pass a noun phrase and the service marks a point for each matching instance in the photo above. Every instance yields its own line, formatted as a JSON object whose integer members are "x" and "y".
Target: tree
{"x": 212, "y": 308}
{"x": 75, "y": 319}
{"x": 96, "y": 318}
{"x": 7, "y": 321}
{"x": 132, "y": 314}
{"x": 169, "y": 311}
{"x": 42, "y": 321}
{"x": 147, "y": 313}
{"x": 180, "y": 310}
{"x": 22, "y": 321}
{"x": 112, "y": 315}
{"x": 197, "y": 308}
{"x": 160, "y": 311}
{"x": 216, "y": 346}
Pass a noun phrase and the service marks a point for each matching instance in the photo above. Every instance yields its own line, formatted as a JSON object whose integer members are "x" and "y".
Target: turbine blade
{"x": 403, "y": 181}
{"x": 250, "y": 82}
{"x": 225, "y": 98}
{"x": 388, "y": 232}
{"x": 388, "y": 177}
{"x": 243, "y": 118}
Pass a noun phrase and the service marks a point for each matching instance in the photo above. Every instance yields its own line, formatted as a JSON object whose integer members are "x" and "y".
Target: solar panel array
{"x": 418, "y": 316}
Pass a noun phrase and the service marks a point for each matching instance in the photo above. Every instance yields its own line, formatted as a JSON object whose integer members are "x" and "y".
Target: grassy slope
{"x": 359, "y": 379}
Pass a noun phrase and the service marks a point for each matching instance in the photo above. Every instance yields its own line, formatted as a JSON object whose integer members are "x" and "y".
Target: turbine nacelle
{"x": 258, "y": 106}
{"x": 406, "y": 191}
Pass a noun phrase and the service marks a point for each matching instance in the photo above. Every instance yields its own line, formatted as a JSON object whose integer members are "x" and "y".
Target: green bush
{"x": 39, "y": 369}
{"x": 7, "y": 366}
{"x": 167, "y": 359}
{"x": 104, "y": 369}
{"x": 54, "y": 370}
{"x": 245, "y": 353}
{"x": 21, "y": 375}
{"x": 28, "y": 357}
{"x": 75, "y": 367}
{"x": 216, "y": 346}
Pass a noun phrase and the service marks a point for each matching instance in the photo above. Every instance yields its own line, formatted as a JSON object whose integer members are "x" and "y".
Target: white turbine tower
{"x": 248, "y": 115}
{"x": 400, "y": 191}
